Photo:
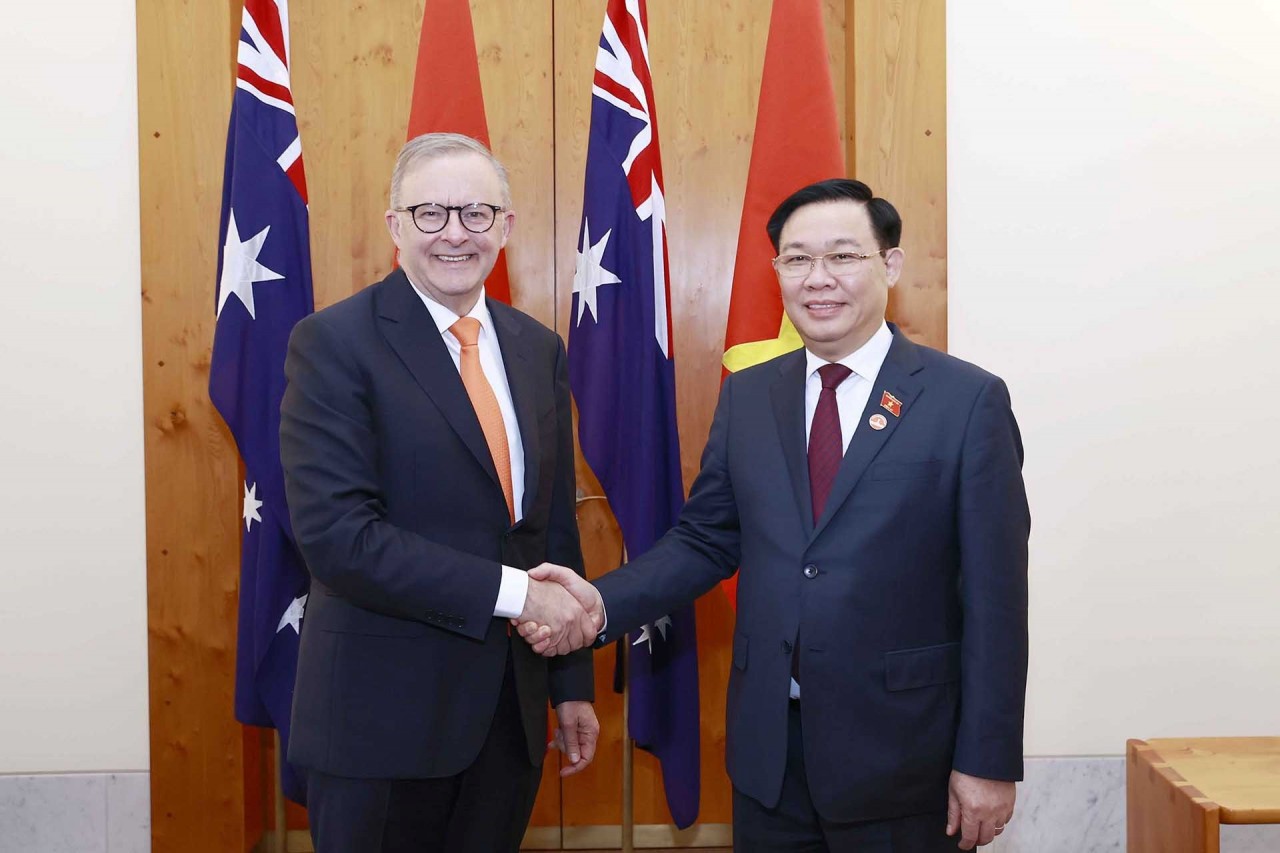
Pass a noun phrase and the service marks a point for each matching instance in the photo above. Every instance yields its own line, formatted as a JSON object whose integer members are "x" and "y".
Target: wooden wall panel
{"x": 707, "y": 60}
{"x": 353, "y": 70}
{"x": 514, "y": 43}
{"x": 352, "y": 81}
{"x": 192, "y": 472}
{"x": 900, "y": 139}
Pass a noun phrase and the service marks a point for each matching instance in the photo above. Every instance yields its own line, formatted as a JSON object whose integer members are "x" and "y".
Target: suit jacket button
{"x": 786, "y": 646}
{"x": 811, "y": 571}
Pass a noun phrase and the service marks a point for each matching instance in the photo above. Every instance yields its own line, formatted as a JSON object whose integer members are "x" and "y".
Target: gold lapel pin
{"x": 878, "y": 421}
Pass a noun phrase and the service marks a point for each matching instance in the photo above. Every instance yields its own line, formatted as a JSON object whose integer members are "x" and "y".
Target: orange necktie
{"x": 485, "y": 402}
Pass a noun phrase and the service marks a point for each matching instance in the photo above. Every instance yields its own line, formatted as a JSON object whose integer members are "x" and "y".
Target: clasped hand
{"x": 562, "y": 611}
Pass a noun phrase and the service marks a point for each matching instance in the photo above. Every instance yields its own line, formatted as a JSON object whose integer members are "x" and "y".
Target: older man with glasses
{"x": 428, "y": 458}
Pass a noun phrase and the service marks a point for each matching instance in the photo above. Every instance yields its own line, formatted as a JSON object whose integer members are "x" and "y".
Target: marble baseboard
{"x": 75, "y": 813}
{"x": 1077, "y": 805}
{"x": 1066, "y": 805}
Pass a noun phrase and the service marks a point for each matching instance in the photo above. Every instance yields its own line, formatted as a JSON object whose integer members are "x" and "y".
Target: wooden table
{"x": 1180, "y": 789}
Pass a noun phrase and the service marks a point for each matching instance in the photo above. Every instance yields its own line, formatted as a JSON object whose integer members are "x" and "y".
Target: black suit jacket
{"x": 399, "y": 515}
{"x": 907, "y": 599}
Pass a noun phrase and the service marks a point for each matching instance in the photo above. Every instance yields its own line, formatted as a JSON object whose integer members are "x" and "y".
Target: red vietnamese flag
{"x": 447, "y": 95}
{"x": 797, "y": 142}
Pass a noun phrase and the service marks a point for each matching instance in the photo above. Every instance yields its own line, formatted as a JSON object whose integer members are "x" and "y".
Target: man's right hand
{"x": 545, "y": 636}
{"x": 555, "y": 619}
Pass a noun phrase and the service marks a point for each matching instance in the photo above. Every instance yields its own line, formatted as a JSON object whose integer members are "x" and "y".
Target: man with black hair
{"x": 870, "y": 490}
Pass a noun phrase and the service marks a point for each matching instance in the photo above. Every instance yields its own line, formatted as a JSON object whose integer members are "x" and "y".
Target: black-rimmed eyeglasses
{"x": 430, "y": 217}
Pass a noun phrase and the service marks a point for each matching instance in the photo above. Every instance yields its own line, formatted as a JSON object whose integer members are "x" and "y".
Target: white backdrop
{"x": 1114, "y": 244}
{"x": 73, "y": 653}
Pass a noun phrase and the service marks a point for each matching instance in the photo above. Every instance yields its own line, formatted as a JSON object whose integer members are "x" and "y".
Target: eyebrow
{"x": 841, "y": 242}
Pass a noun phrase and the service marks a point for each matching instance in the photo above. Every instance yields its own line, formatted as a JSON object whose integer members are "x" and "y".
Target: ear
{"x": 893, "y": 264}
{"x": 508, "y": 223}
{"x": 393, "y": 226}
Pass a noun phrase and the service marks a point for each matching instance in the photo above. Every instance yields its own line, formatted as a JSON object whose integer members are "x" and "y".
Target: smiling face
{"x": 836, "y": 314}
{"x": 451, "y": 265}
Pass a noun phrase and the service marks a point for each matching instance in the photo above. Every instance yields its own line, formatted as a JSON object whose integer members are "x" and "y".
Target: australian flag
{"x": 623, "y": 377}
{"x": 264, "y": 287}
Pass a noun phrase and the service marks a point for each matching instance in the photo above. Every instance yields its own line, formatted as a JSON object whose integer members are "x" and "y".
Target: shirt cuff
{"x": 511, "y": 593}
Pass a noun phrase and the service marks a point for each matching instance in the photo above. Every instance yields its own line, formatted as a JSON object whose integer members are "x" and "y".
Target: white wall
{"x": 1114, "y": 216}
{"x": 73, "y": 654}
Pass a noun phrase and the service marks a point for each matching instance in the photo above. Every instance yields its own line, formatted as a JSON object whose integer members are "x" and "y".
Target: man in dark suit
{"x": 428, "y": 456}
{"x": 871, "y": 491}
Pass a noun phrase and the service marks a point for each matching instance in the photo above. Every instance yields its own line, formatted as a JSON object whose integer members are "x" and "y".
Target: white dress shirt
{"x": 851, "y": 395}
{"x": 515, "y": 583}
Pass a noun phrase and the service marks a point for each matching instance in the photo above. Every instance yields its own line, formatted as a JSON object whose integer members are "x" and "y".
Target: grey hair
{"x": 429, "y": 146}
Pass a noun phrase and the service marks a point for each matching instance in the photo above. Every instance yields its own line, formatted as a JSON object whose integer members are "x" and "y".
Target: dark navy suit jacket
{"x": 907, "y": 599}
{"x": 399, "y": 515}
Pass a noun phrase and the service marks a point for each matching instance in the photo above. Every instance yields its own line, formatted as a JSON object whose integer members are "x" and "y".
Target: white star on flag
{"x": 240, "y": 267}
{"x": 251, "y": 506}
{"x": 293, "y": 616}
{"x": 646, "y": 636}
{"x": 590, "y": 274}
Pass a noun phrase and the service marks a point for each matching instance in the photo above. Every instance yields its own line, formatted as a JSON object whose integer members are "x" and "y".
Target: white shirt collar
{"x": 445, "y": 318}
{"x": 865, "y": 361}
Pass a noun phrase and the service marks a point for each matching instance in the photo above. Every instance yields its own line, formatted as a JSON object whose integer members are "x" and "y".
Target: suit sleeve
{"x": 702, "y": 549}
{"x": 994, "y": 523}
{"x": 571, "y": 677}
{"x": 328, "y": 446}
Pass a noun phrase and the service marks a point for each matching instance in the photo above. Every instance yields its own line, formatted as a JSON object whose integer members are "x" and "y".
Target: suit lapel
{"x": 522, "y": 382}
{"x": 788, "y": 409}
{"x": 407, "y": 326}
{"x": 897, "y": 376}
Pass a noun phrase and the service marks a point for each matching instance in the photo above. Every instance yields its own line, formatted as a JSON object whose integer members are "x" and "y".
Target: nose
{"x": 819, "y": 276}
{"x": 453, "y": 230}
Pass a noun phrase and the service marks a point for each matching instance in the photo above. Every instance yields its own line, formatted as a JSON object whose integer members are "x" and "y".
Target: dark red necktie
{"x": 825, "y": 452}
{"x": 825, "y": 447}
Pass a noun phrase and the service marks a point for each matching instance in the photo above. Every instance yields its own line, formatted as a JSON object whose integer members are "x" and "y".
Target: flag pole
{"x": 279, "y": 844}
{"x": 628, "y": 745}
{"x": 628, "y": 769}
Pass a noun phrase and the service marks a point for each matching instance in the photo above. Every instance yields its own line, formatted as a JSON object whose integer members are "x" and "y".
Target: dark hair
{"x": 886, "y": 224}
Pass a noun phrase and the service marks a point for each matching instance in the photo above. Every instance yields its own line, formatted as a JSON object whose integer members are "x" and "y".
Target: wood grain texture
{"x": 1164, "y": 813}
{"x": 707, "y": 59}
{"x": 352, "y": 80}
{"x": 1241, "y": 775}
{"x": 514, "y": 47}
{"x": 192, "y": 471}
{"x": 900, "y": 145}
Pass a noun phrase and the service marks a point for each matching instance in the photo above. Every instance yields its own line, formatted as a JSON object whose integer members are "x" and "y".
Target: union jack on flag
{"x": 264, "y": 288}
{"x": 622, "y": 372}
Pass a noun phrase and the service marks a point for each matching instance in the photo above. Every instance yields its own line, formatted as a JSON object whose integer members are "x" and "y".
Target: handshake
{"x": 562, "y": 611}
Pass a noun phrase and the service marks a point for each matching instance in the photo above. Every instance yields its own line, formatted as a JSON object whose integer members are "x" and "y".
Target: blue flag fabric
{"x": 264, "y": 288}
{"x": 623, "y": 378}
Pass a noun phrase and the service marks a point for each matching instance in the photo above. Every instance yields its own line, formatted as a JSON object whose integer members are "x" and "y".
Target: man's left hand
{"x": 977, "y": 808}
{"x": 576, "y": 736}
